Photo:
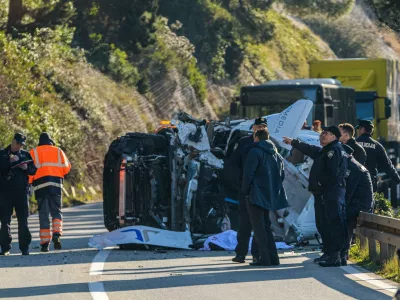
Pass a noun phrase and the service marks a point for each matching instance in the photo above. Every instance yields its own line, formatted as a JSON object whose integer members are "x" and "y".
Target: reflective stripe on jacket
{"x": 51, "y": 163}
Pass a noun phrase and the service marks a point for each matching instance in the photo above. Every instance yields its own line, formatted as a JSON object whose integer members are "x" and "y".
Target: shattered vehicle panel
{"x": 180, "y": 180}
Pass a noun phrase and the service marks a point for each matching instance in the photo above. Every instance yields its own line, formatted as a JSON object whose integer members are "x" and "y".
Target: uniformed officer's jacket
{"x": 359, "y": 153}
{"x": 359, "y": 194}
{"x": 377, "y": 158}
{"x": 329, "y": 167}
{"x": 12, "y": 177}
{"x": 240, "y": 153}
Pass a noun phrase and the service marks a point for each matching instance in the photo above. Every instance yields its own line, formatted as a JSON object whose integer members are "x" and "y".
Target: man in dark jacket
{"x": 347, "y": 137}
{"x": 359, "y": 197}
{"x": 15, "y": 167}
{"x": 263, "y": 176}
{"x": 238, "y": 159}
{"x": 376, "y": 154}
{"x": 327, "y": 183}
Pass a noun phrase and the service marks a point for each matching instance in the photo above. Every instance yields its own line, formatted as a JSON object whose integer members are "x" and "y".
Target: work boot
{"x": 25, "y": 252}
{"x": 321, "y": 258}
{"x": 255, "y": 259}
{"x": 57, "y": 242}
{"x": 275, "y": 262}
{"x": 5, "y": 253}
{"x": 260, "y": 263}
{"x": 238, "y": 259}
{"x": 45, "y": 248}
{"x": 332, "y": 261}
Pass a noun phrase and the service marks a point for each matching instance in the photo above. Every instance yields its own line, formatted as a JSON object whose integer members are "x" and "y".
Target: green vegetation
{"x": 331, "y": 9}
{"x": 389, "y": 269}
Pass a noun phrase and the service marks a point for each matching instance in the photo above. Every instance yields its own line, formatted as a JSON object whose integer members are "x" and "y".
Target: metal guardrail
{"x": 385, "y": 230}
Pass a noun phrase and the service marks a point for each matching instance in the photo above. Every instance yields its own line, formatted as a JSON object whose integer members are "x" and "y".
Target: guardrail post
{"x": 363, "y": 241}
{"x": 391, "y": 251}
{"x": 372, "y": 249}
{"x": 384, "y": 254}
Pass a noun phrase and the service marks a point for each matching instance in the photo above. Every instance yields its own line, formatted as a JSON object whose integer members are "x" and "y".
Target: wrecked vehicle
{"x": 177, "y": 184}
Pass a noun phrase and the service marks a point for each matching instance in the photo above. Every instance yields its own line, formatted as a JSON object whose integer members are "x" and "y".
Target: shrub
{"x": 120, "y": 68}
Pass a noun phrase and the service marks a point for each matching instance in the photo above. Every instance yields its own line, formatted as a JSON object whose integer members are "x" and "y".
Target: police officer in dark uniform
{"x": 238, "y": 159}
{"x": 347, "y": 132}
{"x": 15, "y": 166}
{"x": 376, "y": 154}
{"x": 327, "y": 183}
{"x": 359, "y": 197}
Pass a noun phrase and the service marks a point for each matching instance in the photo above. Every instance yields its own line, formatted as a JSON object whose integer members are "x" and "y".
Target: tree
{"x": 387, "y": 12}
{"x": 49, "y": 14}
{"x": 15, "y": 14}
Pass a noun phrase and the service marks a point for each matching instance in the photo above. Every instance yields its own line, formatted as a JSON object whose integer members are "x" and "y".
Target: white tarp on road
{"x": 228, "y": 241}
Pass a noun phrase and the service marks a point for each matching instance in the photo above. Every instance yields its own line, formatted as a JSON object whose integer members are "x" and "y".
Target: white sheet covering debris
{"x": 142, "y": 235}
{"x": 228, "y": 241}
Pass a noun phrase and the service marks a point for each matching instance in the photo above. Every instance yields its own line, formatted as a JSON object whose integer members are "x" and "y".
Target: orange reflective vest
{"x": 50, "y": 161}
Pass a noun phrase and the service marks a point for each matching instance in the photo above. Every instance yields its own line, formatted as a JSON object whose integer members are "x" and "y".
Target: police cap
{"x": 20, "y": 138}
{"x": 260, "y": 121}
{"x": 367, "y": 124}
{"x": 334, "y": 130}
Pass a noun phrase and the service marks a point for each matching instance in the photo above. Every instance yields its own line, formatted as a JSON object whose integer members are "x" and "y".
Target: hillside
{"x": 88, "y": 71}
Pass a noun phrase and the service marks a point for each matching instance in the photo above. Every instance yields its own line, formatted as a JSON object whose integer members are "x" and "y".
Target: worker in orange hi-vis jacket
{"x": 52, "y": 165}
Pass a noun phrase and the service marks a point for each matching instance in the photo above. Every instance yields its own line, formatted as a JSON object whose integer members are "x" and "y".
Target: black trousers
{"x": 259, "y": 218}
{"x": 321, "y": 222}
{"x": 351, "y": 225}
{"x": 330, "y": 219}
{"x": 244, "y": 232}
{"x": 17, "y": 200}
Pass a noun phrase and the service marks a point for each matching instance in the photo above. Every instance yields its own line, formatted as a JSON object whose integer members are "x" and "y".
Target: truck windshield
{"x": 262, "y": 102}
{"x": 365, "y": 110}
{"x": 365, "y": 105}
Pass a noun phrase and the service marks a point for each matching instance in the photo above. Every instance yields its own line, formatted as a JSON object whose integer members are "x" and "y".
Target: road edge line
{"x": 96, "y": 288}
{"x": 366, "y": 278}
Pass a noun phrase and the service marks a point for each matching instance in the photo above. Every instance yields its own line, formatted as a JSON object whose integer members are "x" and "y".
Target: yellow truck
{"x": 377, "y": 86}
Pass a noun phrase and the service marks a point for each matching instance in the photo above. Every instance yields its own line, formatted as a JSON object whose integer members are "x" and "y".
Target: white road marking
{"x": 366, "y": 278}
{"x": 96, "y": 288}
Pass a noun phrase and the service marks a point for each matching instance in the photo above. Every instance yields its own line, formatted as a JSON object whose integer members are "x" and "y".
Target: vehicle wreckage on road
{"x": 169, "y": 188}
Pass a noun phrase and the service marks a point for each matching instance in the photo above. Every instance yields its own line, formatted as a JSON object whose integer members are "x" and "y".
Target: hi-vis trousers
{"x": 49, "y": 204}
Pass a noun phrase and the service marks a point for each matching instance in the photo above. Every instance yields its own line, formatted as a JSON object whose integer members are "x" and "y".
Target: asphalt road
{"x": 77, "y": 272}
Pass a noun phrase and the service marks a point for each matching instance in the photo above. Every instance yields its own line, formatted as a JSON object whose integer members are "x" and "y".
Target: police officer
{"x": 347, "y": 137}
{"x": 238, "y": 159}
{"x": 327, "y": 183}
{"x": 15, "y": 166}
{"x": 263, "y": 177}
{"x": 376, "y": 154}
{"x": 359, "y": 197}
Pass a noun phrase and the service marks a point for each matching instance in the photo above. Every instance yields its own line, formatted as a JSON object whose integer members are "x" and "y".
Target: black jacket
{"x": 11, "y": 178}
{"x": 239, "y": 155}
{"x": 377, "y": 158}
{"x": 263, "y": 176}
{"x": 358, "y": 151}
{"x": 359, "y": 194}
{"x": 329, "y": 166}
